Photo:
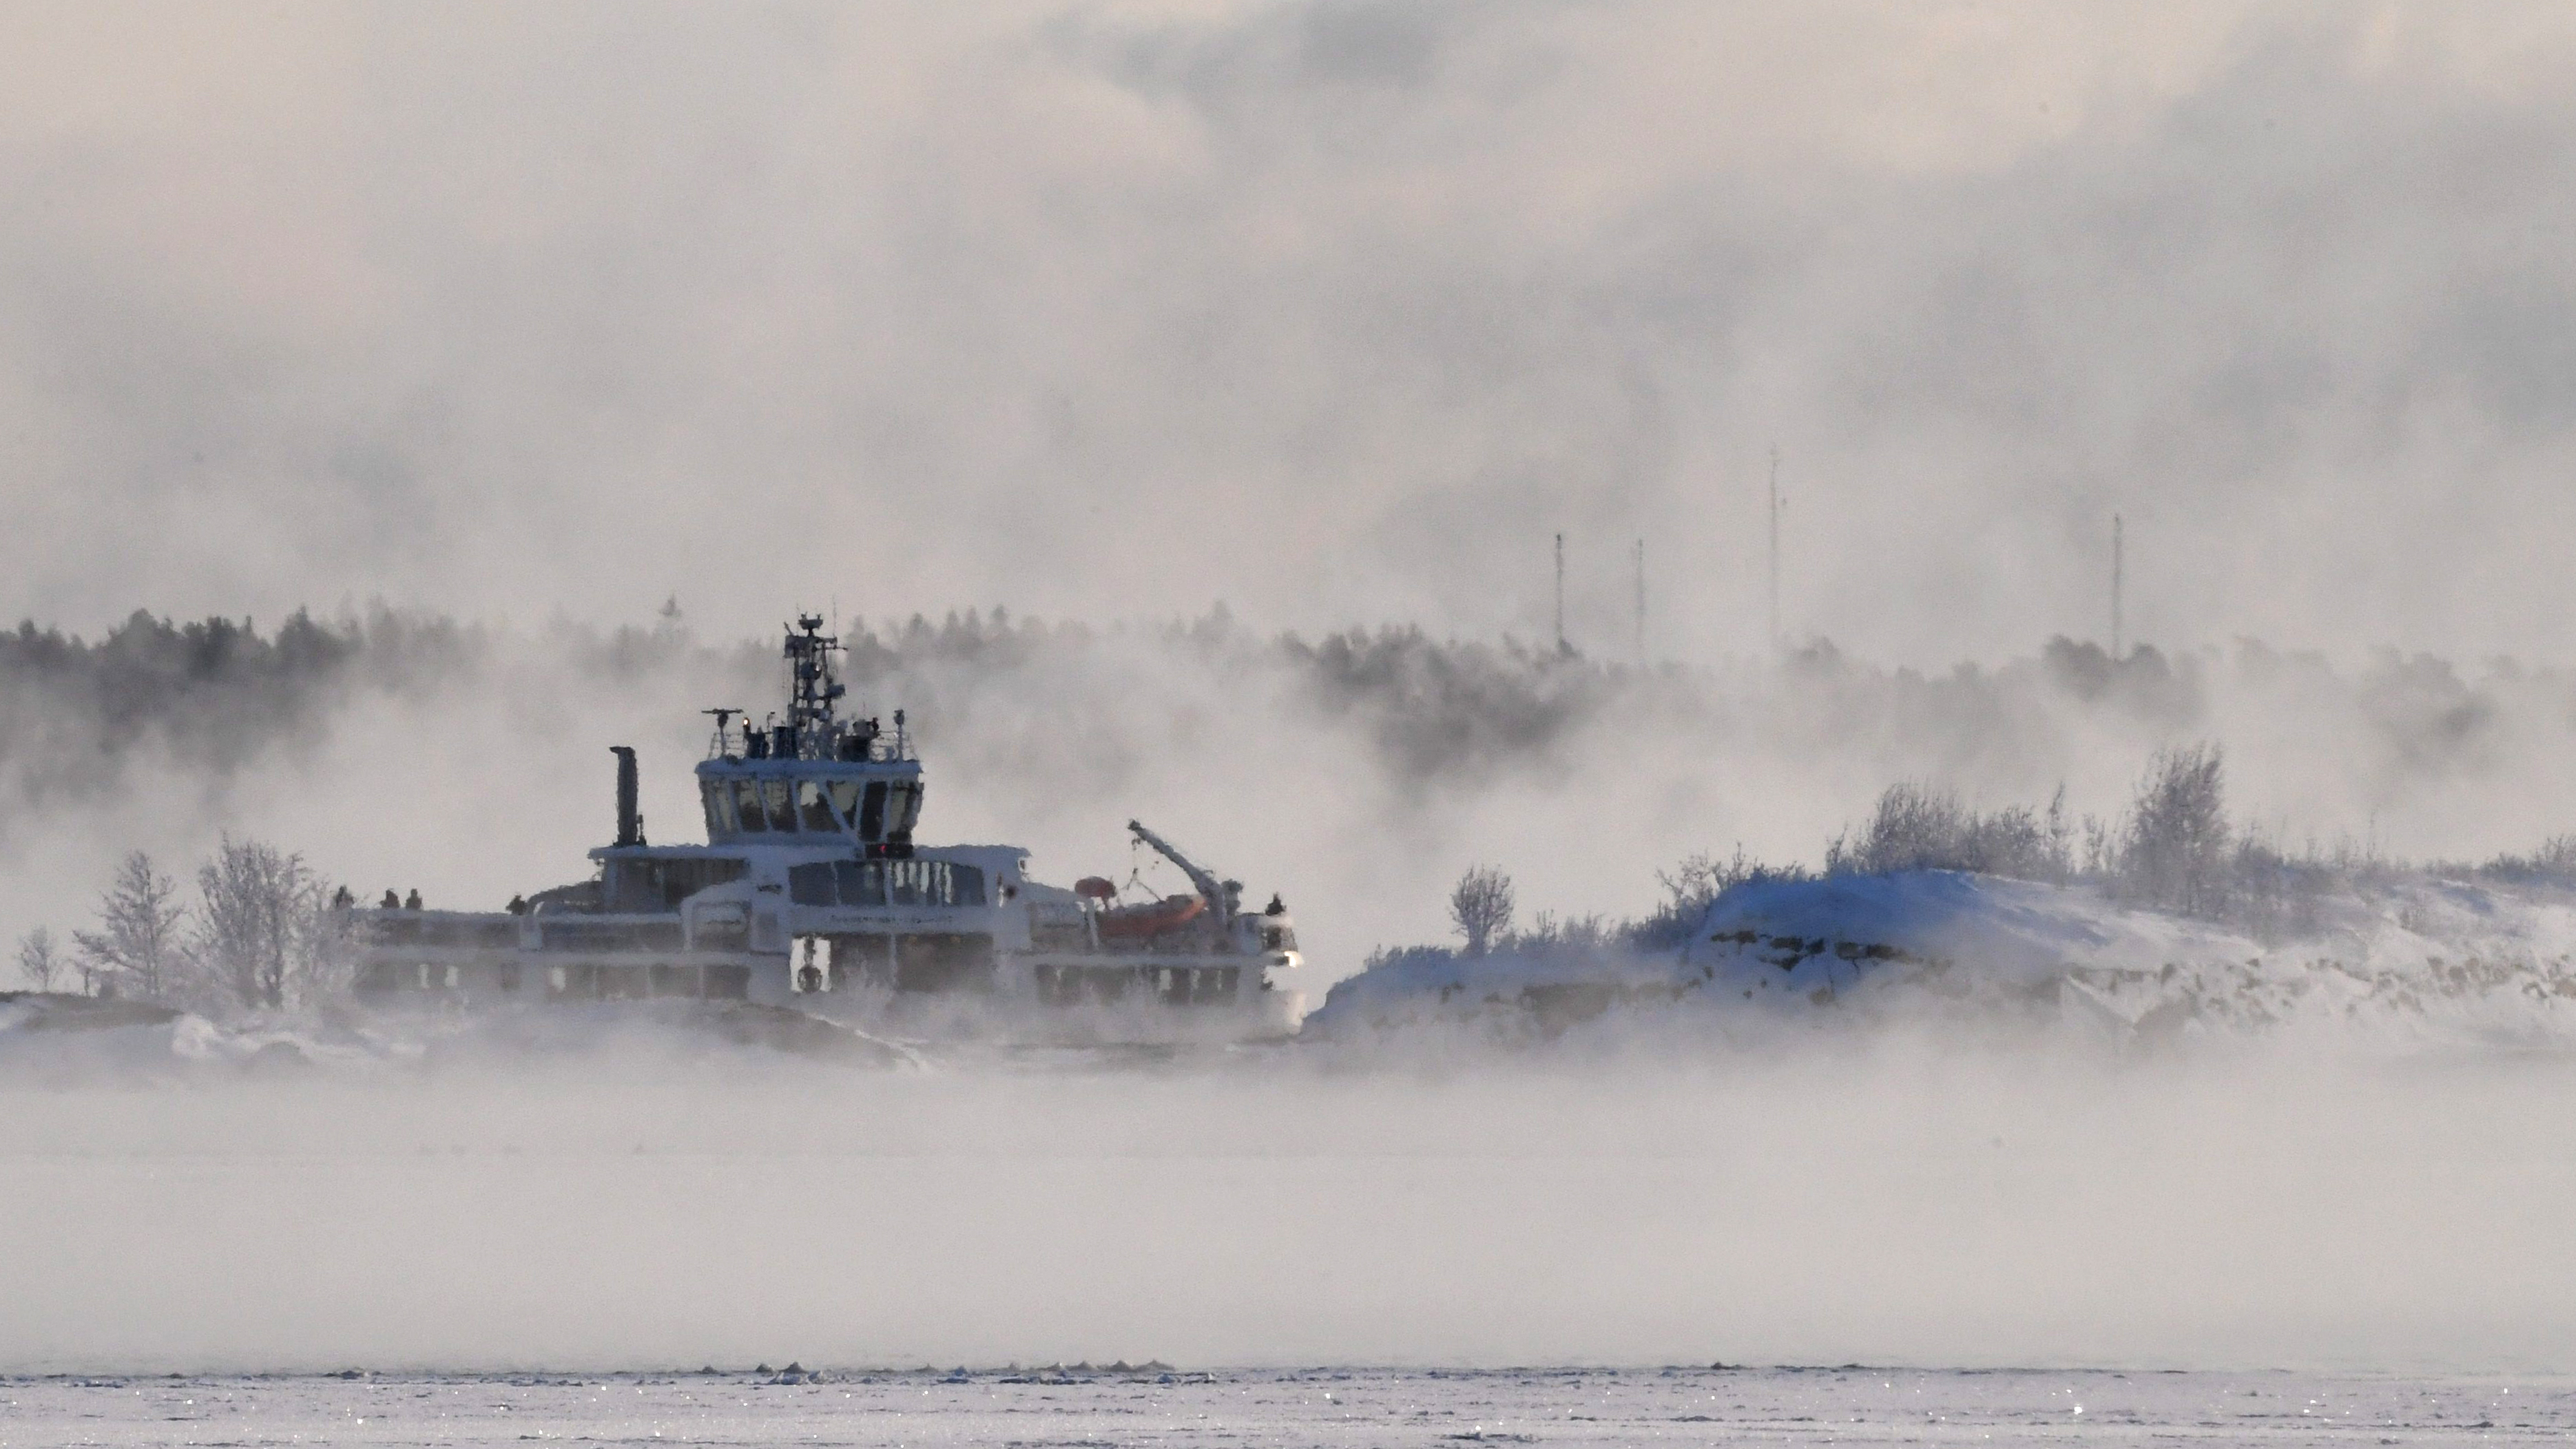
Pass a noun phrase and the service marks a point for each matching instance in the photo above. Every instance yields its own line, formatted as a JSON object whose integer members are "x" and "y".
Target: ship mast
{"x": 812, "y": 693}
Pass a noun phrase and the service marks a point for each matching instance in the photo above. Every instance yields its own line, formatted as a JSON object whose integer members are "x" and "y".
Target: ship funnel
{"x": 630, "y": 826}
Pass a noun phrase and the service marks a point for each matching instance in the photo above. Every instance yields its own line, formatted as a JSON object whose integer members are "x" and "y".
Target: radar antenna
{"x": 724, "y": 717}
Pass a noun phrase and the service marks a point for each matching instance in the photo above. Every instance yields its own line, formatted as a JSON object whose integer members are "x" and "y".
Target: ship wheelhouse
{"x": 768, "y": 801}
{"x": 815, "y": 777}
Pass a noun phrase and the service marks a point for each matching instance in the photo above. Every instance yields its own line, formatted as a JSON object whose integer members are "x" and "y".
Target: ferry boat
{"x": 811, "y": 893}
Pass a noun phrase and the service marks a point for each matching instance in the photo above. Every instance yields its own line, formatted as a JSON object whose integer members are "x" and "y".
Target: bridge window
{"x": 720, "y": 817}
{"x": 872, "y": 812}
{"x": 876, "y": 884}
{"x": 782, "y": 809}
{"x": 809, "y": 805}
{"x": 907, "y": 808}
{"x": 862, "y": 882}
{"x": 906, "y": 881}
{"x": 747, "y": 797}
{"x": 845, "y": 800}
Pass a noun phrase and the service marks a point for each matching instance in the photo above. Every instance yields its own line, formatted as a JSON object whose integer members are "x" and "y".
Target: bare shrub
{"x": 2276, "y": 897}
{"x": 141, "y": 925}
{"x": 2174, "y": 854}
{"x": 1582, "y": 935}
{"x": 1913, "y": 827}
{"x": 2554, "y": 863}
{"x": 1480, "y": 907}
{"x": 1690, "y": 888}
{"x": 1920, "y": 827}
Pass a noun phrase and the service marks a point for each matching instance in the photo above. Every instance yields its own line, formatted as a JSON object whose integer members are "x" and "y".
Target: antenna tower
{"x": 1560, "y": 593}
{"x": 1641, "y": 601}
{"x": 2118, "y": 561}
{"x": 1775, "y": 546}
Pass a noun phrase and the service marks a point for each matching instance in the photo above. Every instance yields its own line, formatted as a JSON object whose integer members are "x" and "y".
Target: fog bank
{"x": 1880, "y": 1205}
{"x": 1335, "y": 311}
{"x": 1357, "y": 773}
{"x": 1353, "y": 773}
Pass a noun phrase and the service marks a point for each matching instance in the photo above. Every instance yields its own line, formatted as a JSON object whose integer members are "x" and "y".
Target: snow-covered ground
{"x": 2413, "y": 960}
{"x": 1334, "y": 1406}
{"x": 57, "y": 1038}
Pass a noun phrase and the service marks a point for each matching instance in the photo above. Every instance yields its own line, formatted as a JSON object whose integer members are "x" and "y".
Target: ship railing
{"x": 444, "y": 932}
{"x": 503, "y": 979}
{"x": 737, "y": 743}
{"x": 608, "y": 933}
{"x": 438, "y": 930}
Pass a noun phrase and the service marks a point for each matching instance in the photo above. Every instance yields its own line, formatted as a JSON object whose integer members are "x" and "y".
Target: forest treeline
{"x": 216, "y": 693}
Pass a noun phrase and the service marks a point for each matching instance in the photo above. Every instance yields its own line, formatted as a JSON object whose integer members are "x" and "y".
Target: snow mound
{"x": 52, "y": 1037}
{"x": 2417, "y": 959}
{"x": 1819, "y": 938}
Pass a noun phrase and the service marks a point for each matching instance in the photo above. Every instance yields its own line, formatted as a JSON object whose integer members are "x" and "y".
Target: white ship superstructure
{"x": 812, "y": 893}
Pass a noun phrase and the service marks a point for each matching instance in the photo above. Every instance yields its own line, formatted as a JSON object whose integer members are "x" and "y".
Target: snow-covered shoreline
{"x": 2412, "y": 959}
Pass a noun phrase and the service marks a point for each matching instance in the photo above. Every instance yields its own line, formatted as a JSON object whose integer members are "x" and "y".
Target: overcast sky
{"x": 1333, "y": 312}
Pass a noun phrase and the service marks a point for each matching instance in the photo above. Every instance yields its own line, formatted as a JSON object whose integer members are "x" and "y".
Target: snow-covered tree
{"x": 1480, "y": 907}
{"x": 39, "y": 960}
{"x": 140, "y": 928}
{"x": 258, "y": 916}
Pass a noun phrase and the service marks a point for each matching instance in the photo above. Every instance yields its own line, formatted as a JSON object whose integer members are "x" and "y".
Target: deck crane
{"x": 1220, "y": 895}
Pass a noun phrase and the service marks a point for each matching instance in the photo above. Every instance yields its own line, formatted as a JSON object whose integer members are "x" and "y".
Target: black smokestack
{"x": 629, "y": 826}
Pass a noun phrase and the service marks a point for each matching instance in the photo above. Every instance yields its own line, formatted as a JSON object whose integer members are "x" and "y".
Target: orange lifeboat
{"x": 1133, "y": 923}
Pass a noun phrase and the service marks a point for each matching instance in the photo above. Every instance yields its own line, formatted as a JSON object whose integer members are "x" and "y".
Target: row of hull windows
{"x": 584, "y": 981}
{"x": 470, "y": 932}
{"x": 930, "y": 962}
{"x": 553, "y": 933}
{"x": 869, "y": 883}
{"x": 1060, "y": 985}
{"x": 660, "y": 885}
{"x": 875, "y": 809}
{"x": 574, "y": 933}
{"x": 906, "y": 964}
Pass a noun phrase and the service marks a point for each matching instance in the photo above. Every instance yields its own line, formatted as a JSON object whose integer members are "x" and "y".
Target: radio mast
{"x": 1560, "y": 593}
{"x": 1641, "y": 601}
{"x": 1775, "y": 547}
{"x": 2117, "y": 563}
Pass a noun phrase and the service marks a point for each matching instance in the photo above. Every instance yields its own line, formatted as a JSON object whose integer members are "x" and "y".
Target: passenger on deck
{"x": 518, "y": 906}
{"x": 392, "y": 902}
{"x": 810, "y": 979}
{"x": 412, "y": 902}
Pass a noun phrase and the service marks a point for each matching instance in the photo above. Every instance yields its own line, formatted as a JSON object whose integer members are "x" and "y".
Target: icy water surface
{"x": 1336, "y": 1407}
